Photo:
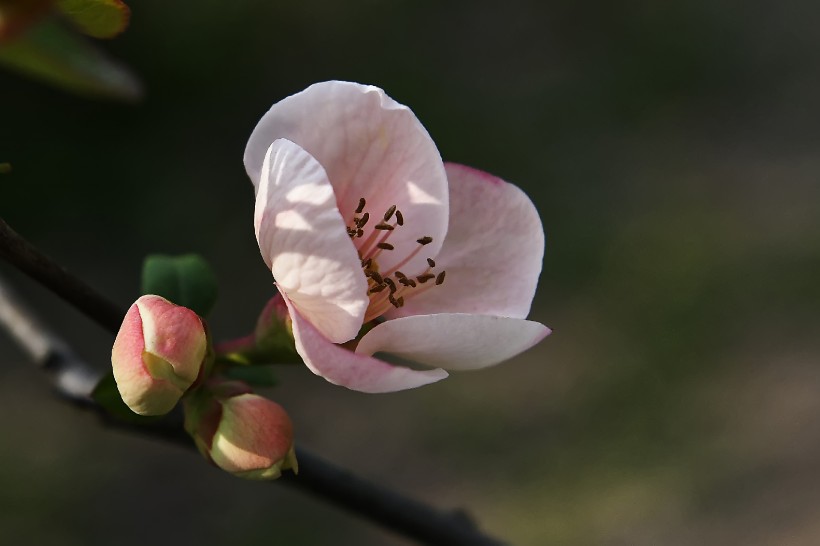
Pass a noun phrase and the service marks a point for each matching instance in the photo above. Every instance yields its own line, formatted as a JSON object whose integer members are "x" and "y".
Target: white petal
{"x": 493, "y": 250}
{"x": 371, "y": 147}
{"x": 453, "y": 341}
{"x": 304, "y": 241}
{"x": 357, "y": 372}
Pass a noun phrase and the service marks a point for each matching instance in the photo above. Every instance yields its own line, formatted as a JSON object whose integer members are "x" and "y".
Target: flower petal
{"x": 492, "y": 253}
{"x": 303, "y": 240}
{"x": 454, "y": 341}
{"x": 348, "y": 369}
{"x": 371, "y": 147}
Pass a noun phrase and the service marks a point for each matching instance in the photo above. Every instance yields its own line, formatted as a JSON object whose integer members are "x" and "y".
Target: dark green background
{"x": 672, "y": 149}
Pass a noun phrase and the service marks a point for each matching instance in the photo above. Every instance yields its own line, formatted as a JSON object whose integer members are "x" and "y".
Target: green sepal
{"x": 97, "y": 18}
{"x": 106, "y": 395}
{"x": 258, "y": 376}
{"x": 186, "y": 280}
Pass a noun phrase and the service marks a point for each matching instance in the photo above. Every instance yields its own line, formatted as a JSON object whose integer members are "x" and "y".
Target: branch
{"x": 75, "y": 380}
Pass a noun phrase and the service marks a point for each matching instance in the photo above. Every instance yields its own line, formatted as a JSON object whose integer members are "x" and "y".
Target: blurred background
{"x": 673, "y": 151}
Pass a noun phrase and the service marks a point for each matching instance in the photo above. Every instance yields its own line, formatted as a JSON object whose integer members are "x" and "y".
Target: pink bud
{"x": 157, "y": 355}
{"x": 241, "y": 432}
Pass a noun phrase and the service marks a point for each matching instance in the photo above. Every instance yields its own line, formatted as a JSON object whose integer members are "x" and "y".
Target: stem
{"x": 74, "y": 380}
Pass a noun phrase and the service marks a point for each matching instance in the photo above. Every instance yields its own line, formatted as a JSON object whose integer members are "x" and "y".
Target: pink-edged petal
{"x": 492, "y": 253}
{"x": 304, "y": 241}
{"x": 453, "y": 341}
{"x": 348, "y": 369}
{"x": 371, "y": 147}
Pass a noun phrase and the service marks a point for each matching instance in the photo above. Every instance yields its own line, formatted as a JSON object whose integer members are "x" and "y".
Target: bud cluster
{"x": 162, "y": 354}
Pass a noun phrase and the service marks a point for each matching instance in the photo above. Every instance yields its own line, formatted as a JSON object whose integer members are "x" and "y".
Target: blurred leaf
{"x": 185, "y": 280}
{"x": 63, "y": 58}
{"x": 107, "y": 396}
{"x": 5, "y": 168}
{"x": 17, "y": 15}
{"x": 259, "y": 376}
{"x": 97, "y": 18}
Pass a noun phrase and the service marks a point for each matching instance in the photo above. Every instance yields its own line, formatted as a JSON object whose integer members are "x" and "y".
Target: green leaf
{"x": 63, "y": 58}
{"x": 107, "y": 396}
{"x": 97, "y": 18}
{"x": 185, "y": 280}
{"x": 259, "y": 376}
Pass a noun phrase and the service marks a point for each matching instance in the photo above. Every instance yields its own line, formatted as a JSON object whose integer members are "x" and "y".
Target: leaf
{"x": 185, "y": 280}
{"x": 107, "y": 396}
{"x": 259, "y": 376}
{"x": 63, "y": 58}
{"x": 97, "y": 18}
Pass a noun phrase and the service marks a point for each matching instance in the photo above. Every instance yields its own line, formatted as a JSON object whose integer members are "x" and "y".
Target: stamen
{"x": 362, "y": 203}
{"x": 363, "y": 220}
{"x": 400, "y": 275}
{"x": 367, "y": 263}
{"x": 399, "y": 218}
{"x": 426, "y": 277}
{"x": 430, "y": 262}
{"x": 426, "y": 240}
{"x": 375, "y": 276}
{"x": 384, "y": 226}
{"x": 401, "y": 301}
{"x": 378, "y": 288}
{"x": 389, "y": 213}
{"x": 389, "y": 282}
{"x": 385, "y": 246}
{"x": 408, "y": 282}
{"x": 359, "y": 232}
{"x": 440, "y": 278}
{"x": 394, "y": 301}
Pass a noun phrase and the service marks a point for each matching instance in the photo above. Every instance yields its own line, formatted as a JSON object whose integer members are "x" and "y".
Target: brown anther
{"x": 400, "y": 301}
{"x": 366, "y": 263}
{"x": 404, "y": 281}
{"x": 384, "y": 226}
{"x": 351, "y": 232}
{"x": 363, "y": 220}
{"x": 385, "y": 246}
{"x": 430, "y": 262}
{"x": 399, "y": 218}
{"x": 440, "y": 278}
{"x": 426, "y": 277}
{"x": 426, "y": 240}
{"x": 411, "y": 283}
{"x": 400, "y": 275}
{"x": 391, "y": 284}
{"x": 375, "y": 276}
{"x": 359, "y": 233}
{"x": 393, "y": 301}
{"x": 362, "y": 203}
{"x": 389, "y": 213}
{"x": 378, "y": 288}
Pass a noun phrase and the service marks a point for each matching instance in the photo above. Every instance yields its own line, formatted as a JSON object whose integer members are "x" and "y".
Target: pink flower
{"x": 157, "y": 354}
{"x": 358, "y": 219}
{"x": 241, "y": 432}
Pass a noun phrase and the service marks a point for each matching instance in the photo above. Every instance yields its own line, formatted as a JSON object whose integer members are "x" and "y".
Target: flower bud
{"x": 157, "y": 355}
{"x": 241, "y": 432}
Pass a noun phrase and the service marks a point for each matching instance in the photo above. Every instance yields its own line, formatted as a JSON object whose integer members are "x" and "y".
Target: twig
{"x": 75, "y": 380}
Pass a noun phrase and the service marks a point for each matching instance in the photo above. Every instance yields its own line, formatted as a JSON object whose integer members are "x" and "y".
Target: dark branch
{"x": 74, "y": 380}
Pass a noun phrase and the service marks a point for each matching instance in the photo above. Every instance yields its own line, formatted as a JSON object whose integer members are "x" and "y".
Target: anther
{"x": 385, "y": 246}
{"x": 399, "y": 218}
{"x": 384, "y": 226}
{"x": 400, "y": 275}
{"x": 393, "y": 301}
{"x": 378, "y": 288}
{"x": 359, "y": 232}
{"x": 426, "y": 277}
{"x": 363, "y": 220}
{"x": 430, "y": 262}
{"x": 391, "y": 284}
{"x": 375, "y": 276}
{"x": 367, "y": 263}
{"x": 426, "y": 240}
{"x": 408, "y": 282}
{"x": 400, "y": 301}
{"x": 440, "y": 278}
{"x": 362, "y": 203}
{"x": 389, "y": 213}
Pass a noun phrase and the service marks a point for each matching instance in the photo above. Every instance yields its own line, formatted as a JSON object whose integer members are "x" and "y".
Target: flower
{"x": 377, "y": 246}
{"x": 157, "y": 355}
{"x": 241, "y": 432}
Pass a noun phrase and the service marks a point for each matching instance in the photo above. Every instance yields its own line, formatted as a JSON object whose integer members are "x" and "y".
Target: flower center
{"x": 388, "y": 289}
